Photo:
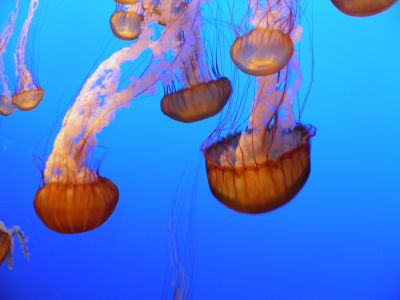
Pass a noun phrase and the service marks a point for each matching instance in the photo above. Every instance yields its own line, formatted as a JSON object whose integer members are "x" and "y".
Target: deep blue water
{"x": 338, "y": 239}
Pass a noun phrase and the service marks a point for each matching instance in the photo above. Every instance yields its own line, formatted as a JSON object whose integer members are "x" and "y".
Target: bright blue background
{"x": 339, "y": 239}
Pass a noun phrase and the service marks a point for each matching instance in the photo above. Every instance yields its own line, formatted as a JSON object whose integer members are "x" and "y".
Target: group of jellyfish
{"x": 252, "y": 171}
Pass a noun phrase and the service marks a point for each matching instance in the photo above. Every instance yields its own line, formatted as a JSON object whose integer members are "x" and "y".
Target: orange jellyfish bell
{"x": 76, "y": 207}
{"x": 363, "y": 8}
{"x": 126, "y": 25}
{"x": 126, "y": 2}
{"x": 5, "y": 246}
{"x": 6, "y": 106}
{"x": 197, "y": 102}
{"x": 260, "y": 185}
{"x": 262, "y": 51}
{"x": 28, "y": 100}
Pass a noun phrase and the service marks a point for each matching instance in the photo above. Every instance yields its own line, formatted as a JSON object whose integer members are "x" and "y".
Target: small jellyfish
{"x": 28, "y": 100}
{"x": 126, "y": 22}
{"x": 201, "y": 96}
{"x": 7, "y": 243}
{"x": 74, "y": 197}
{"x": 126, "y": 2}
{"x": 29, "y": 93}
{"x": 262, "y": 51}
{"x": 6, "y": 105}
{"x": 198, "y": 102}
{"x": 363, "y": 8}
{"x": 267, "y": 48}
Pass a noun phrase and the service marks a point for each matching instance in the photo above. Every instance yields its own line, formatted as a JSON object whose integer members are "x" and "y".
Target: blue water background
{"x": 338, "y": 239}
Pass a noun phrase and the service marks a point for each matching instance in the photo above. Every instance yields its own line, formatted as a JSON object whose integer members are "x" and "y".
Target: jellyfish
{"x": 126, "y": 2}
{"x": 6, "y": 105}
{"x": 363, "y": 8}
{"x": 126, "y": 22}
{"x": 29, "y": 93}
{"x": 263, "y": 167}
{"x": 7, "y": 243}
{"x": 73, "y": 197}
{"x": 201, "y": 96}
{"x": 267, "y": 48}
{"x": 74, "y": 207}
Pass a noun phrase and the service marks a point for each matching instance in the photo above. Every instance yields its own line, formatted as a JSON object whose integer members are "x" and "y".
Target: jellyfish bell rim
{"x": 285, "y": 38}
{"x": 361, "y": 14}
{"x": 16, "y": 99}
{"x": 126, "y": 2}
{"x": 50, "y": 214}
{"x": 167, "y": 101}
{"x": 121, "y": 34}
{"x": 259, "y": 205}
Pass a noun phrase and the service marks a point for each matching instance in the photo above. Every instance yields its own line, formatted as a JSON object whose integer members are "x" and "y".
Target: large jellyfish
{"x": 7, "y": 243}
{"x": 75, "y": 198}
{"x": 29, "y": 93}
{"x": 363, "y": 8}
{"x": 264, "y": 166}
{"x": 126, "y": 21}
{"x": 6, "y": 105}
{"x": 267, "y": 48}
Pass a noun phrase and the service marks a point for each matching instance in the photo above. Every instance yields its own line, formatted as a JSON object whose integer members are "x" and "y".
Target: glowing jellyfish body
{"x": 7, "y": 243}
{"x": 198, "y": 102}
{"x": 363, "y": 8}
{"x": 76, "y": 207}
{"x": 28, "y": 100}
{"x": 74, "y": 198}
{"x": 262, "y": 51}
{"x": 6, "y": 106}
{"x": 201, "y": 95}
{"x": 126, "y": 2}
{"x": 29, "y": 93}
{"x": 126, "y": 24}
{"x": 262, "y": 186}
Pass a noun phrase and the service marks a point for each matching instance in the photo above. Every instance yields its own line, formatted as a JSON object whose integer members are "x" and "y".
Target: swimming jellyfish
{"x": 267, "y": 48}
{"x": 7, "y": 243}
{"x": 126, "y": 22}
{"x": 75, "y": 198}
{"x": 266, "y": 165}
{"x": 201, "y": 96}
{"x": 29, "y": 93}
{"x": 363, "y": 8}
{"x": 6, "y": 105}
{"x": 126, "y": 2}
